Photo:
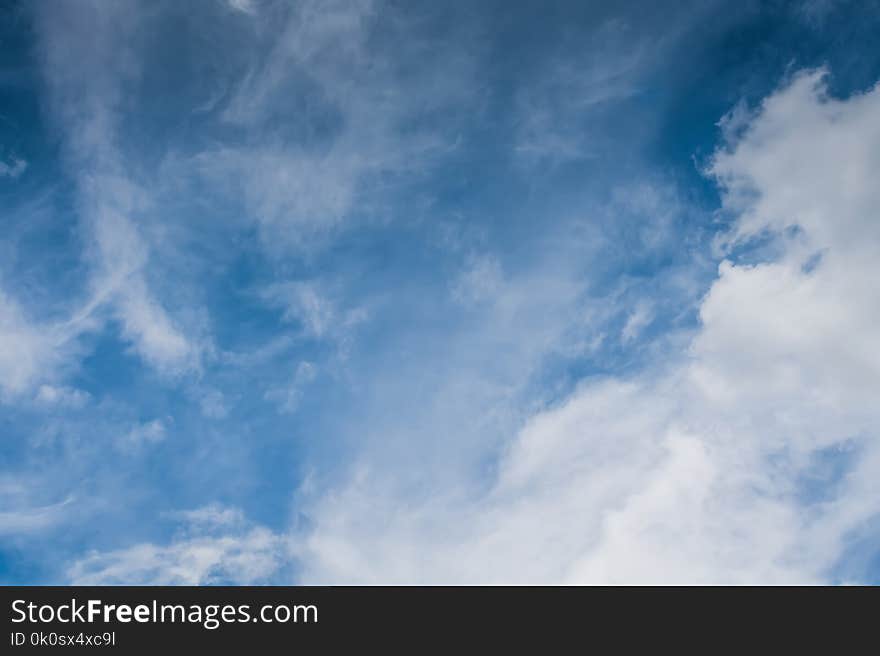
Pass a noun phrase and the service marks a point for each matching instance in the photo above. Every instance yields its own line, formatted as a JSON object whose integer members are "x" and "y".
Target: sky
{"x": 366, "y": 292}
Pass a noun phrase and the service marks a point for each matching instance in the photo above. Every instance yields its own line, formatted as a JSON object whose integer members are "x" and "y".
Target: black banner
{"x": 149, "y": 619}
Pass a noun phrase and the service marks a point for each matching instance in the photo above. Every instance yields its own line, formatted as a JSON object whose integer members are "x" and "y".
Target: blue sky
{"x": 367, "y": 292}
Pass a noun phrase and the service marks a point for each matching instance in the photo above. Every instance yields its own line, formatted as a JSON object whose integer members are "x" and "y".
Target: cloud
{"x": 33, "y": 519}
{"x": 213, "y": 516}
{"x": 803, "y": 323}
{"x": 554, "y": 111}
{"x": 288, "y": 397}
{"x": 87, "y": 98}
{"x": 62, "y": 396}
{"x": 219, "y": 547}
{"x": 711, "y": 469}
{"x": 147, "y": 433}
{"x": 32, "y": 352}
{"x": 26, "y": 350}
{"x": 13, "y": 169}
{"x": 723, "y": 428}
{"x": 304, "y": 303}
{"x": 638, "y": 319}
{"x": 332, "y": 119}
{"x": 244, "y": 6}
{"x": 480, "y": 281}
{"x": 315, "y": 307}
{"x": 157, "y": 339}
{"x": 213, "y": 404}
{"x": 313, "y": 119}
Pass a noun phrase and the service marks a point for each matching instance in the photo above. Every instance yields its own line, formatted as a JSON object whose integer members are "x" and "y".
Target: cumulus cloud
{"x": 802, "y": 324}
{"x": 706, "y": 470}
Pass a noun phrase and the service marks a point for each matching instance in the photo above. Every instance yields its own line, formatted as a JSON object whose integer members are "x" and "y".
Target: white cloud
{"x": 553, "y": 112}
{"x": 68, "y": 397}
{"x": 305, "y": 303}
{"x": 244, "y": 6}
{"x": 639, "y": 319}
{"x": 314, "y": 307}
{"x": 288, "y": 397}
{"x": 294, "y": 196}
{"x": 213, "y": 516}
{"x": 213, "y": 404}
{"x": 13, "y": 169}
{"x": 711, "y": 469}
{"x": 804, "y": 324}
{"x": 26, "y": 350}
{"x": 32, "y": 519}
{"x": 301, "y": 181}
{"x": 34, "y": 352}
{"x": 481, "y": 280}
{"x": 219, "y": 546}
{"x": 87, "y": 97}
{"x": 150, "y": 432}
{"x": 155, "y": 336}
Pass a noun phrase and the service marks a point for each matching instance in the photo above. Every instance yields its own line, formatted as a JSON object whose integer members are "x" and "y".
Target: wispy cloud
{"x": 556, "y": 111}
{"x": 26, "y": 520}
{"x": 349, "y": 109}
{"x": 63, "y": 396}
{"x": 87, "y": 100}
{"x": 13, "y": 168}
{"x": 288, "y": 396}
{"x": 144, "y": 434}
{"x": 219, "y": 548}
{"x": 31, "y": 351}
